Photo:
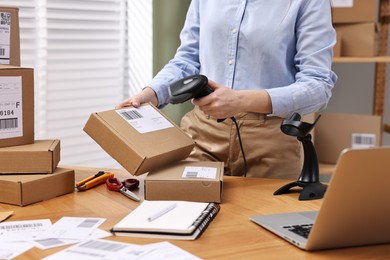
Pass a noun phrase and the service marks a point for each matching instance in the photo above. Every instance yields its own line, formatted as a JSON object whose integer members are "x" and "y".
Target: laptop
{"x": 355, "y": 210}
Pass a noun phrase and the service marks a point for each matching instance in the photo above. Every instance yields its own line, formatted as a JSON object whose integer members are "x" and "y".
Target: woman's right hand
{"x": 145, "y": 96}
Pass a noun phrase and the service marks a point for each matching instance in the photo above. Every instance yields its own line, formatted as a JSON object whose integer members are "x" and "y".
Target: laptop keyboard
{"x": 301, "y": 230}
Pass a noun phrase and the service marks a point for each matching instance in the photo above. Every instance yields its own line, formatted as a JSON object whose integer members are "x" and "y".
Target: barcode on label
{"x": 191, "y": 174}
{"x": 5, "y": 18}
{"x": 49, "y": 242}
{"x": 106, "y": 246}
{"x": 363, "y": 140}
{"x": 199, "y": 172}
{"x": 21, "y": 226}
{"x": 2, "y": 52}
{"x": 131, "y": 114}
{"x": 88, "y": 223}
{"x": 8, "y": 123}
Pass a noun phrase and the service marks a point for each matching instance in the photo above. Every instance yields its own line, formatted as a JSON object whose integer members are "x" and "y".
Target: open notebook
{"x": 167, "y": 219}
{"x": 355, "y": 210}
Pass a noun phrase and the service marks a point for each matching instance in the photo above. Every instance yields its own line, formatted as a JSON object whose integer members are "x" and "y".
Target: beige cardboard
{"x": 168, "y": 184}
{"x": 41, "y": 157}
{"x": 6, "y": 214}
{"x": 138, "y": 153}
{"x": 358, "y": 40}
{"x": 27, "y": 75}
{"x": 337, "y": 47}
{"x": 23, "y": 190}
{"x": 14, "y": 55}
{"x": 333, "y": 133}
{"x": 361, "y": 11}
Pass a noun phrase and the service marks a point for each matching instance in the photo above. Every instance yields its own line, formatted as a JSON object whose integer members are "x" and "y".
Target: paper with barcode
{"x": 10, "y": 250}
{"x": 105, "y": 249}
{"x": 23, "y": 230}
{"x": 71, "y": 228}
{"x": 5, "y": 37}
{"x": 11, "y": 120}
{"x": 144, "y": 119}
{"x": 200, "y": 172}
{"x": 47, "y": 243}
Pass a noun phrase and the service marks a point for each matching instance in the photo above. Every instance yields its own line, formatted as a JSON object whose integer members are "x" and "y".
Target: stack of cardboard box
{"x": 356, "y": 23}
{"x": 28, "y": 167}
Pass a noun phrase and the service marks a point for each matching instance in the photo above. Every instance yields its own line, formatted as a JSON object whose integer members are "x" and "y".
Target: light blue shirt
{"x": 282, "y": 46}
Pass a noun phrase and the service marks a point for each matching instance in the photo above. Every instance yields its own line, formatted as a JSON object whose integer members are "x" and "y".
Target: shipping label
{"x": 11, "y": 111}
{"x": 5, "y": 37}
{"x": 200, "y": 172}
{"x": 342, "y": 3}
{"x": 144, "y": 119}
{"x": 363, "y": 140}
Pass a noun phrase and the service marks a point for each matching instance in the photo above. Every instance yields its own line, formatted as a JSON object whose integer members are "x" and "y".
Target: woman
{"x": 264, "y": 61}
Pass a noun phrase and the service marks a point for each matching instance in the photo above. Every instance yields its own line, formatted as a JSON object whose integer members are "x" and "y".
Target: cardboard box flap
{"x": 108, "y": 138}
{"x": 158, "y": 160}
{"x": 37, "y": 146}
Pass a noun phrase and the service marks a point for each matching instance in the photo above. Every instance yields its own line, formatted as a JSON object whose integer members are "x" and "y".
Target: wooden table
{"x": 231, "y": 235}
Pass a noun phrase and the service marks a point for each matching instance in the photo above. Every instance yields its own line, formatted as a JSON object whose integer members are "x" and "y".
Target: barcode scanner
{"x": 195, "y": 86}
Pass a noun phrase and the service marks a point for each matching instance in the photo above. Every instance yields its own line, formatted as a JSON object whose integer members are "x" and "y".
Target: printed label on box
{"x": 5, "y": 37}
{"x": 200, "y": 172}
{"x": 360, "y": 140}
{"x": 144, "y": 119}
{"x": 11, "y": 112}
{"x": 342, "y": 3}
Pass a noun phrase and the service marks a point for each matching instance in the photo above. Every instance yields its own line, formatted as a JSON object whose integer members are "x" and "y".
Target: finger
{"x": 127, "y": 103}
{"x": 120, "y": 105}
{"x": 214, "y": 85}
{"x": 136, "y": 104}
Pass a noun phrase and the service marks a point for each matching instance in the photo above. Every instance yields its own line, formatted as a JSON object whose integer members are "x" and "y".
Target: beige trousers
{"x": 269, "y": 153}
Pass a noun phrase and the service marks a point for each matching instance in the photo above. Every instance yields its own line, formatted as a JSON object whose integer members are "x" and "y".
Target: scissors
{"x": 124, "y": 187}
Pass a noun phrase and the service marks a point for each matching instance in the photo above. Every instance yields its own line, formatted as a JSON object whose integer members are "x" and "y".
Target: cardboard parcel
{"x": 184, "y": 180}
{"x": 26, "y": 189}
{"x": 16, "y": 106}
{"x": 40, "y": 157}
{"x": 336, "y": 131}
{"x": 140, "y": 139}
{"x": 355, "y": 11}
{"x": 9, "y": 36}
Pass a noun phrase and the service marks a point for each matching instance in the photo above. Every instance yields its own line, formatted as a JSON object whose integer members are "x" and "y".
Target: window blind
{"x": 86, "y": 55}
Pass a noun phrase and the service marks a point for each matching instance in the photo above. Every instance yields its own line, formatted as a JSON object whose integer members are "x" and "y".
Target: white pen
{"x": 163, "y": 211}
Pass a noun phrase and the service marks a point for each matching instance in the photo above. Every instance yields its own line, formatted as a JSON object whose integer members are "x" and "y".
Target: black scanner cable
{"x": 196, "y": 86}
{"x": 240, "y": 142}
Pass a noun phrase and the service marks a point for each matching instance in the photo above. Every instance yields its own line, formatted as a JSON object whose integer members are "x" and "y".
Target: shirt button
{"x": 231, "y": 62}
{"x": 234, "y": 30}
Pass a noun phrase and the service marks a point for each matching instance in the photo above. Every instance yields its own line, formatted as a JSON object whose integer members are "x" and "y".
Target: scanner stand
{"x": 309, "y": 181}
